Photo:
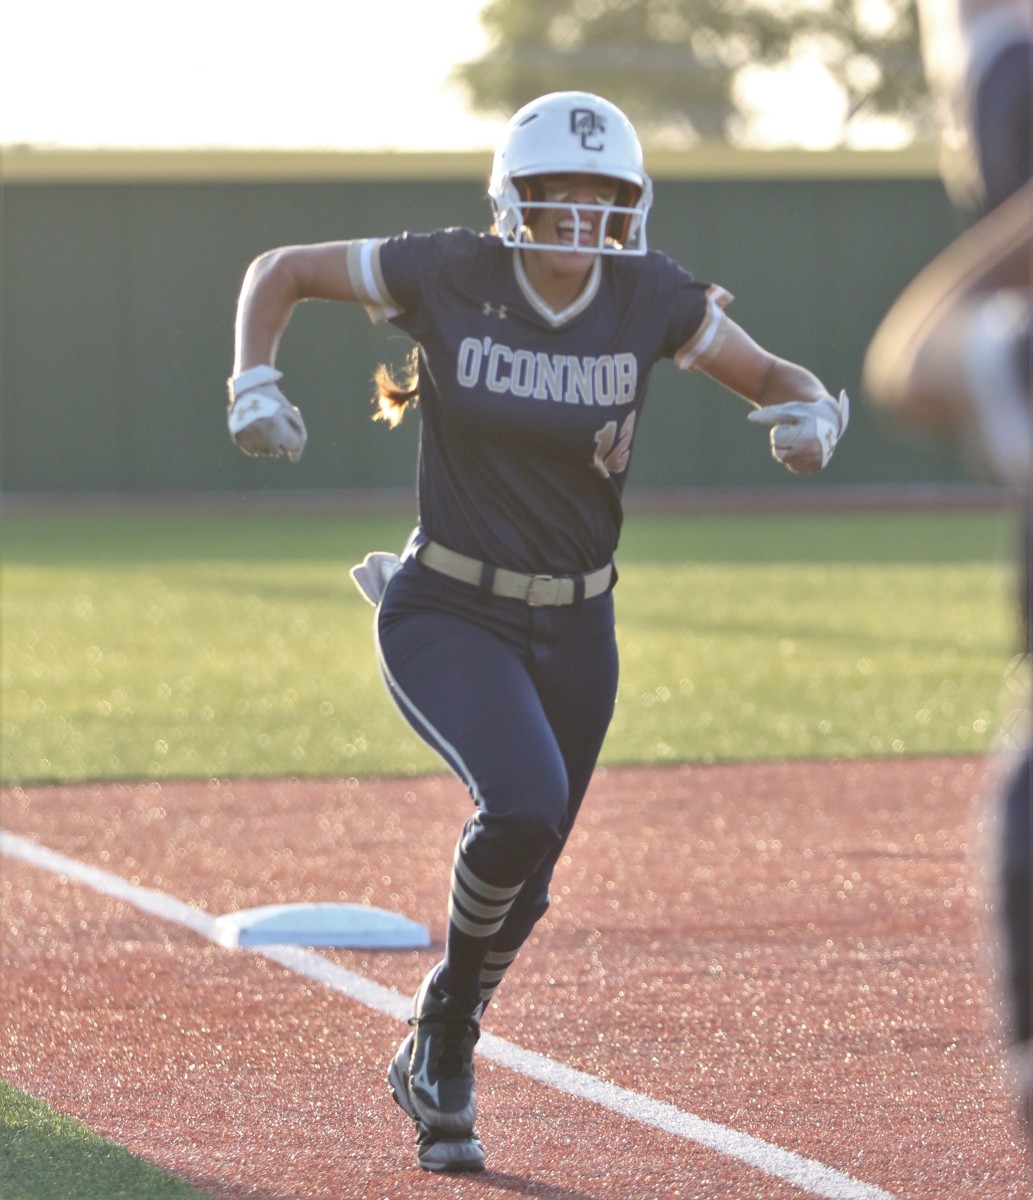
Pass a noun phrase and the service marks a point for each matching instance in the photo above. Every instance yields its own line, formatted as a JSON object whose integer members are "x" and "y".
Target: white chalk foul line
{"x": 804, "y": 1173}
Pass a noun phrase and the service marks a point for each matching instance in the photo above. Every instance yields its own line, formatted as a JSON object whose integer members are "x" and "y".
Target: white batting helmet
{"x": 571, "y": 133}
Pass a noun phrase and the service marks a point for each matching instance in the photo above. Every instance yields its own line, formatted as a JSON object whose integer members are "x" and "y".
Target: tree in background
{"x": 679, "y": 65}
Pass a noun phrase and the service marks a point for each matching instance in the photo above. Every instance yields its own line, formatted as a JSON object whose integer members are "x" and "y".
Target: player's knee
{"x": 508, "y": 849}
{"x": 533, "y": 836}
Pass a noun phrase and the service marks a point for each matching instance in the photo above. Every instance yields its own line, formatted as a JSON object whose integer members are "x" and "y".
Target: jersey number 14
{"x": 613, "y": 449}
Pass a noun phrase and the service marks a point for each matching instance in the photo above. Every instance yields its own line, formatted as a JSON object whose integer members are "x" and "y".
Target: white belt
{"x": 536, "y": 590}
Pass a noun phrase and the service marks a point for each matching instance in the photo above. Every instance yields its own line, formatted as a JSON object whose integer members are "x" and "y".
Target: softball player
{"x": 954, "y": 355}
{"x": 494, "y": 628}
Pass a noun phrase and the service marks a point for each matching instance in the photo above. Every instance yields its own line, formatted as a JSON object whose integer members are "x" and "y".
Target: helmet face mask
{"x": 571, "y": 133}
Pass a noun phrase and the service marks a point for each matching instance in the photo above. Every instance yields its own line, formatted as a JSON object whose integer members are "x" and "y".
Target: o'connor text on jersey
{"x": 606, "y": 379}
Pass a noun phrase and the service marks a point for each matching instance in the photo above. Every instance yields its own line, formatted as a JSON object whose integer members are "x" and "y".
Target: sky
{"x": 340, "y": 74}
{"x": 296, "y": 74}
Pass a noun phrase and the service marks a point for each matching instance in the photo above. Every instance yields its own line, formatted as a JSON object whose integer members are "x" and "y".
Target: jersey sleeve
{"x": 696, "y": 325}
{"x": 709, "y": 336}
{"x": 367, "y": 279}
{"x": 391, "y": 275}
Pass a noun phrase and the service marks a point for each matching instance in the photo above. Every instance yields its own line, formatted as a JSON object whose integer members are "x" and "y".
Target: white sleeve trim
{"x": 706, "y": 341}
{"x": 364, "y": 268}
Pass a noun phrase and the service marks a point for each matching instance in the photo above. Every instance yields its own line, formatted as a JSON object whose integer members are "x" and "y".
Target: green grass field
{"x": 163, "y": 645}
{"x": 151, "y": 646}
{"x": 45, "y": 1156}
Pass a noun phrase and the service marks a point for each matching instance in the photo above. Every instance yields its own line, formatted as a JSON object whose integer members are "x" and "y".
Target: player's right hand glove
{"x": 262, "y": 421}
{"x": 804, "y": 433}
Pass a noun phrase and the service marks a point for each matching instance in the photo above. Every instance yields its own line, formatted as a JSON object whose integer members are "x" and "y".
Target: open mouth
{"x": 580, "y": 233}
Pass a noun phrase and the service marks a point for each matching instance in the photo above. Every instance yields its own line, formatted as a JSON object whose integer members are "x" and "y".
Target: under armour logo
{"x": 589, "y": 127}
{"x": 490, "y": 310}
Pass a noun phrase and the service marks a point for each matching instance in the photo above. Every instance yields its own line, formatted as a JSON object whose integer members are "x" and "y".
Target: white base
{"x": 357, "y": 926}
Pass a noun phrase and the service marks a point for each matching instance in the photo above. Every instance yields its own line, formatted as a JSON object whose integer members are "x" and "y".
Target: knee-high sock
{"x": 476, "y": 912}
{"x": 496, "y": 964}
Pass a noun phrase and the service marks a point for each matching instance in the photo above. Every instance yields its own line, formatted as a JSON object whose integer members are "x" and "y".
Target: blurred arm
{"x": 913, "y": 369}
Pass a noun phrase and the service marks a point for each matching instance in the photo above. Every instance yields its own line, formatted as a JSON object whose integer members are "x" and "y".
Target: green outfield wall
{"x": 119, "y": 273}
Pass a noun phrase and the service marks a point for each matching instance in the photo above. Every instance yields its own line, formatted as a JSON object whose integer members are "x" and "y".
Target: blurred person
{"x": 494, "y": 628}
{"x": 953, "y": 356}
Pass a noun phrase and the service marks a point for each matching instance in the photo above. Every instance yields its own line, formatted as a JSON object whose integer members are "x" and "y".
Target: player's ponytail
{"x": 394, "y": 394}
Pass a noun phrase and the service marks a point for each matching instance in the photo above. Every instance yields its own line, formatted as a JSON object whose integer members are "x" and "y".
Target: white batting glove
{"x": 262, "y": 421}
{"x": 804, "y": 433}
{"x": 374, "y": 573}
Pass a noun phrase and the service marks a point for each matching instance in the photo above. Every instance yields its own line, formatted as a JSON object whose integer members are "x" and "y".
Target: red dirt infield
{"x": 799, "y": 952}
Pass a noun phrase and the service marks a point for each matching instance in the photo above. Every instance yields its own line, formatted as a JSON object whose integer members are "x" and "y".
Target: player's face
{"x": 569, "y": 224}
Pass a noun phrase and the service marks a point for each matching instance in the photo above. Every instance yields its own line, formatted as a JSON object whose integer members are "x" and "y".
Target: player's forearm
{"x": 760, "y": 377}
{"x": 275, "y": 283}
{"x": 267, "y": 299}
{"x": 786, "y": 381}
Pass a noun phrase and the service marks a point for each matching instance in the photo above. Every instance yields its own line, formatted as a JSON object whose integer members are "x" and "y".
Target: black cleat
{"x": 437, "y": 1152}
{"x": 435, "y": 1063}
{"x": 434, "y": 1150}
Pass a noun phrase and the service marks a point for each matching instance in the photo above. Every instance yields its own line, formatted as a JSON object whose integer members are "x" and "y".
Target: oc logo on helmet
{"x": 589, "y": 127}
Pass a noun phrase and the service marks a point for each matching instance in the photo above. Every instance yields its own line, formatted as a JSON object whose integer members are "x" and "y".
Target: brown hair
{"x": 395, "y": 393}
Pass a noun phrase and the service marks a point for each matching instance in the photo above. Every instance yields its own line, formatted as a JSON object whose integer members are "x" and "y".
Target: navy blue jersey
{"x": 529, "y": 415}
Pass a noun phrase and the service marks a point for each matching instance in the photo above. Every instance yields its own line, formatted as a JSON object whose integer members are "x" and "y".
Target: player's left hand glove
{"x": 804, "y": 433}
{"x": 262, "y": 421}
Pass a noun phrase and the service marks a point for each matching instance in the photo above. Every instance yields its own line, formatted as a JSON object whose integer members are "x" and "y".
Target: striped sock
{"x": 476, "y": 908}
{"x": 476, "y": 912}
{"x": 496, "y": 964}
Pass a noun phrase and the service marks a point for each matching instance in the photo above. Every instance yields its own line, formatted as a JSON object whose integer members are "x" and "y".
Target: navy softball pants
{"x": 1016, "y": 896}
{"x": 517, "y": 700}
